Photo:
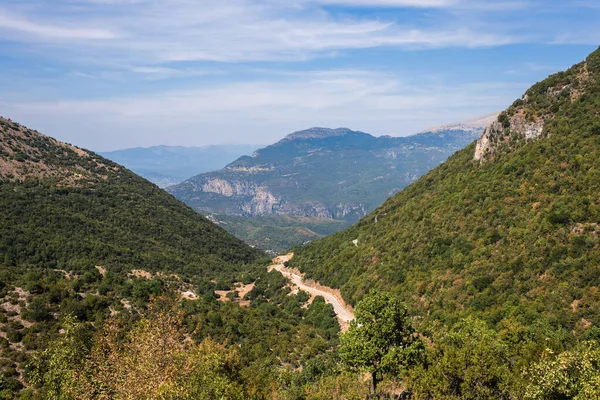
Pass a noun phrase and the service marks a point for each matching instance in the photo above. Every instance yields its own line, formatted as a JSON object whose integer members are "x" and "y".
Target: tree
{"x": 379, "y": 337}
{"x": 573, "y": 374}
{"x": 466, "y": 362}
{"x": 54, "y": 368}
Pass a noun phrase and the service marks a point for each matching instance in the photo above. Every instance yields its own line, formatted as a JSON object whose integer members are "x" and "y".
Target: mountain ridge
{"x": 266, "y": 182}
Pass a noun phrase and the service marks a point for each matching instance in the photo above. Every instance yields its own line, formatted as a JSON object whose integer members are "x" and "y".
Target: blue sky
{"x": 110, "y": 74}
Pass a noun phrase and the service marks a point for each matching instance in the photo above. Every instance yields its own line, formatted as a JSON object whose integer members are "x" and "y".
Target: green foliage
{"x": 379, "y": 337}
{"x": 573, "y": 374}
{"x": 54, "y": 368}
{"x": 467, "y": 362}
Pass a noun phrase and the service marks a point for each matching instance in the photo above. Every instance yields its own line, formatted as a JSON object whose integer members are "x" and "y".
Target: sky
{"x": 112, "y": 74}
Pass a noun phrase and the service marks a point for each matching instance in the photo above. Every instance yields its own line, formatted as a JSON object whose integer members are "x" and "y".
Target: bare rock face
{"x": 228, "y": 188}
{"x": 263, "y": 202}
{"x": 500, "y": 134}
{"x": 528, "y": 118}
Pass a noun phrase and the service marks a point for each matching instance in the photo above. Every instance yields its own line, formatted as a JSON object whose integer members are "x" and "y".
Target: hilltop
{"x": 68, "y": 208}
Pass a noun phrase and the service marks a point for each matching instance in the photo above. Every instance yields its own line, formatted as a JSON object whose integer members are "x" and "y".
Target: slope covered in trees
{"x": 85, "y": 245}
{"x": 66, "y": 208}
{"x": 510, "y": 236}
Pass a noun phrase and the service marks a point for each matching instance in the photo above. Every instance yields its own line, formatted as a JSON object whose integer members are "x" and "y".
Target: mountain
{"x": 507, "y": 230}
{"x": 320, "y": 176}
{"x": 68, "y": 208}
{"x": 169, "y": 165}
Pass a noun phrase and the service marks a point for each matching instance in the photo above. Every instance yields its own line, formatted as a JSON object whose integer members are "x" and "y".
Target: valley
{"x": 459, "y": 263}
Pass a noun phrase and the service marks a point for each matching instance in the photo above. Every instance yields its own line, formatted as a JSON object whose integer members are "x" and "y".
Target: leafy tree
{"x": 467, "y": 362}
{"x": 378, "y": 339}
{"x": 573, "y": 374}
{"x": 54, "y": 368}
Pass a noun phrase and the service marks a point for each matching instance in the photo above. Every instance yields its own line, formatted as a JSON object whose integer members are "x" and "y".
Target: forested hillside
{"x": 85, "y": 247}
{"x": 63, "y": 207}
{"x": 507, "y": 234}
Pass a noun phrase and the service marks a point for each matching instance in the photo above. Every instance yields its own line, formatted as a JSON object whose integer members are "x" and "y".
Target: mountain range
{"x": 169, "y": 165}
{"x": 319, "y": 179}
{"x": 327, "y": 173}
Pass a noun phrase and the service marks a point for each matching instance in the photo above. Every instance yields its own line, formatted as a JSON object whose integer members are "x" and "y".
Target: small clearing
{"x": 241, "y": 291}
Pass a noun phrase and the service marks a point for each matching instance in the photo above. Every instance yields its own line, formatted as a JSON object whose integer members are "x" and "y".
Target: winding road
{"x": 343, "y": 311}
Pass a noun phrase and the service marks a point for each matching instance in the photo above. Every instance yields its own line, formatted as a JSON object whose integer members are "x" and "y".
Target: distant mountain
{"x": 471, "y": 125}
{"x": 326, "y": 173}
{"x": 68, "y": 208}
{"x": 325, "y": 178}
{"x": 169, "y": 165}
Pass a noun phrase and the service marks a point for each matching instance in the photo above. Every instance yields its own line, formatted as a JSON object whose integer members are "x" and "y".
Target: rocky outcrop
{"x": 263, "y": 202}
{"x": 500, "y": 134}
{"x": 229, "y": 188}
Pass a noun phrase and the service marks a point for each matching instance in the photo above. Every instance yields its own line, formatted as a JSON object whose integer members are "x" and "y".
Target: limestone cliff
{"x": 531, "y": 117}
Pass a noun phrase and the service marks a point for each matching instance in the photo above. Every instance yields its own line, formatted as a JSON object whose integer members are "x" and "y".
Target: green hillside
{"x": 66, "y": 208}
{"x": 88, "y": 250}
{"x": 513, "y": 235}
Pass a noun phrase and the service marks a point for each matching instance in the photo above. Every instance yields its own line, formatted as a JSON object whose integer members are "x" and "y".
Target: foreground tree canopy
{"x": 379, "y": 338}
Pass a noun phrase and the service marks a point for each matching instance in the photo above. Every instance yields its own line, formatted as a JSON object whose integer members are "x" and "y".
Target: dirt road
{"x": 344, "y": 311}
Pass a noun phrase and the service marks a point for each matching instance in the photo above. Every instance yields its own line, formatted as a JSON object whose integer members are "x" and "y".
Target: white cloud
{"x": 43, "y": 31}
{"x": 393, "y": 3}
{"x": 162, "y": 31}
{"x": 264, "y": 110}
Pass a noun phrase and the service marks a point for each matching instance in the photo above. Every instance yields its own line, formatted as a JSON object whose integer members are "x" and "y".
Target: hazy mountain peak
{"x": 472, "y": 124}
{"x": 319, "y": 133}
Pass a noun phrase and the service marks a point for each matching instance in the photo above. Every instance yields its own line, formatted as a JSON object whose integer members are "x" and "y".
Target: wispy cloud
{"x": 380, "y": 103}
{"x": 43, "y": 31}
{"x": 162, "y": 31}
{"x": 108, "y": 71}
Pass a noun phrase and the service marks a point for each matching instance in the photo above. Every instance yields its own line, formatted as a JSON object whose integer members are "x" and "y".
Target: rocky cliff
{"x": 528, "y": 118}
